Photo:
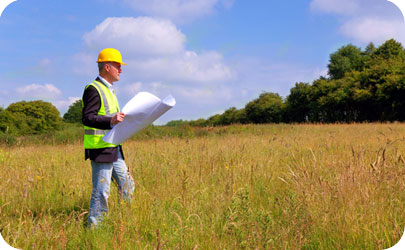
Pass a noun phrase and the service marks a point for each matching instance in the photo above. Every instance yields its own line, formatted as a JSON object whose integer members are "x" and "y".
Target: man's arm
{"x": 92, "y": 104}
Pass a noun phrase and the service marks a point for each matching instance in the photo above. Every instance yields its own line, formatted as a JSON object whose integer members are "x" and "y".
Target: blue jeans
{"x": 101, "y": 178}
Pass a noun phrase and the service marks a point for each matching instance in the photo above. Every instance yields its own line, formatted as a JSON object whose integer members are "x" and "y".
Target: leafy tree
{"x": 213, "y": 120}
{"x": 298, "y": 103}
{"x": 8, "y": 123}
{"x": 240, "y": 116}
{"x": 265, "y": 109}
{"x": 199, "y": 123}
{"x": 32, "y": 117}
{"x": 383, "y": 78}
{"x": 369, "y": 49}
{"x": 389, "y": 49}
{"x": 346, "y": 59}
{"x": 74, "y": 113}
{"x": 228, "y": 117}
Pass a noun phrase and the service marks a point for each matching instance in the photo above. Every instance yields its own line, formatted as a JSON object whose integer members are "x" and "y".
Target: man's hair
{"x": 101, "y": 66}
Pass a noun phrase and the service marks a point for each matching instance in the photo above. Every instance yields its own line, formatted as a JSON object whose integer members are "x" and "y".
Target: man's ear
{"x": 107, "y": 67}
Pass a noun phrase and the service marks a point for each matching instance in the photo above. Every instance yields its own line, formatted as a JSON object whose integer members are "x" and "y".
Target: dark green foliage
{"x": 228, "y": 117}
{"x": 265, "y": 109}
{"x": 74, "y": 113}
{"x": 346, "y": 59}
{"x": 7, "y": 139}
{"x": 199, "y": 123}
{"x": 213, "y": 120}
{"x": 369, "y": 49}
{"x": 231, "y": 116}
{"x": 175, "y": 123}
{"x": 34, "y": 117}
{"x": 299, "y": 103}
{"x": 240, "y": 116}
{"x": 389, "y": 50}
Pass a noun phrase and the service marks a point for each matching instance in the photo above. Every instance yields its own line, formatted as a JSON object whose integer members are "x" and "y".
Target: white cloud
{"x": 154, "y": 50}
{"x": 365, "y": 21}
{"x": 38, "y": 91}
{"x": 333, "y": 6}
{"x": 178, "y": 10}
{"x": 378, "y": 30}
{"x": 187, "y": 66}
{"x": 141, "y": 36}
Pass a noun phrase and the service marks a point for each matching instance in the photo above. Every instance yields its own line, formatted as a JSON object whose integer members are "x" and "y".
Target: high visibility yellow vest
{"x": 93, "y": 137}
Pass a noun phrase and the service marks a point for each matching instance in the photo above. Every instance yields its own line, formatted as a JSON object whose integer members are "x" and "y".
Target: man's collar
{"x": 105, "y": 82}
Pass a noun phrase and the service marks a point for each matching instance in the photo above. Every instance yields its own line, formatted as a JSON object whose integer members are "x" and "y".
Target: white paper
{"x": 143, "y": 109}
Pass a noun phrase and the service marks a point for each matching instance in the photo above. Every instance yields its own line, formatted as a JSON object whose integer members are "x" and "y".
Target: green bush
{"x": 74, "y": 113}
{"x": 27, "y": 118}
{"x": 6, "y": 139}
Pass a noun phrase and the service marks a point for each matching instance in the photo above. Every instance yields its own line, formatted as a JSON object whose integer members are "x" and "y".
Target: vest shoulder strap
{"x": 101, "y": 90}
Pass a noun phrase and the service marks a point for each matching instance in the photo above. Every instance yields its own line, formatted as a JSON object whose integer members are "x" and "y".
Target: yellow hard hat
{"x": 110, "y": 55}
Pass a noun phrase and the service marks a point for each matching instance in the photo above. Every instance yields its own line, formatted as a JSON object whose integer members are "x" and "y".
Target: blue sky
{"x": 209, "y": 54}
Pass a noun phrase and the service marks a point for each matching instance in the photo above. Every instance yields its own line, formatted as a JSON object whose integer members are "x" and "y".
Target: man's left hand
{"x": 117, "y": 118}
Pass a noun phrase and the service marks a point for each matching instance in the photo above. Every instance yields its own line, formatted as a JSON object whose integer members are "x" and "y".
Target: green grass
{"x": 73, "y": 133}
{"x": 235, "y": 187}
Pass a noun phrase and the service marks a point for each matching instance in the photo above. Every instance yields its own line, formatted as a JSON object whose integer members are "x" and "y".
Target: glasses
{"x": 117, "y": 66}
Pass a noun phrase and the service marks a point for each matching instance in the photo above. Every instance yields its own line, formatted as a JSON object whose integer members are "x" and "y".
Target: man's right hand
{"x": 117, "y": 118}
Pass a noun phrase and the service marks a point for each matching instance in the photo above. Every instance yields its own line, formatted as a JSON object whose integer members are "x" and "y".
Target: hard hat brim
{"x": 122, "y": 63}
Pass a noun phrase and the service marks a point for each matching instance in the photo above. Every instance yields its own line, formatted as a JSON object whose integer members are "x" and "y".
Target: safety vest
{"x": 93, "y": 137}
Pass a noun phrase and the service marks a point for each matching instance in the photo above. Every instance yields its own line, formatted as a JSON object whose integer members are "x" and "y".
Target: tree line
{"x": 362, "y": 86}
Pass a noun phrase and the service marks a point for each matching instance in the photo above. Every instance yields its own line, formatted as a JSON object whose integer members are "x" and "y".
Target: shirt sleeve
{"x": 92, "y": 104}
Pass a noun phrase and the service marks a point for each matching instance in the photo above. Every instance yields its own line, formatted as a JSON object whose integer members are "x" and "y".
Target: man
{"x": 100, "y": 113}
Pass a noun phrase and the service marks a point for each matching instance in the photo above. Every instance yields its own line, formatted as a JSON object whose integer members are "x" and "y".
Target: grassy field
{"x": 236, "y": 187}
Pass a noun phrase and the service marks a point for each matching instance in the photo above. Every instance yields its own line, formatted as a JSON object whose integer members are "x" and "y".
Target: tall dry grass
{"x": 238, "y": 187}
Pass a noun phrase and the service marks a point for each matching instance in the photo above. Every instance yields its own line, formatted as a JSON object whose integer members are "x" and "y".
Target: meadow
{"x": 280, "y": 186}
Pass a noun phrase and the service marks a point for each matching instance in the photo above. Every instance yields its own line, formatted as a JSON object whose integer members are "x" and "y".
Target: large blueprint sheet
{"x": 140, "y": 111}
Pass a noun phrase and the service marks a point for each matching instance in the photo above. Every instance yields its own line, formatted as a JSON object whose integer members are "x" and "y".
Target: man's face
{"x": 113, "y": 69}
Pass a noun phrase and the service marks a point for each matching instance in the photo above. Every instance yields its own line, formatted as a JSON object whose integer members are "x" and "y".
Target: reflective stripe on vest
{"x": 105, "y": 101}
{"x": 108, "y": 107}
{"x": 95, "y": 132}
